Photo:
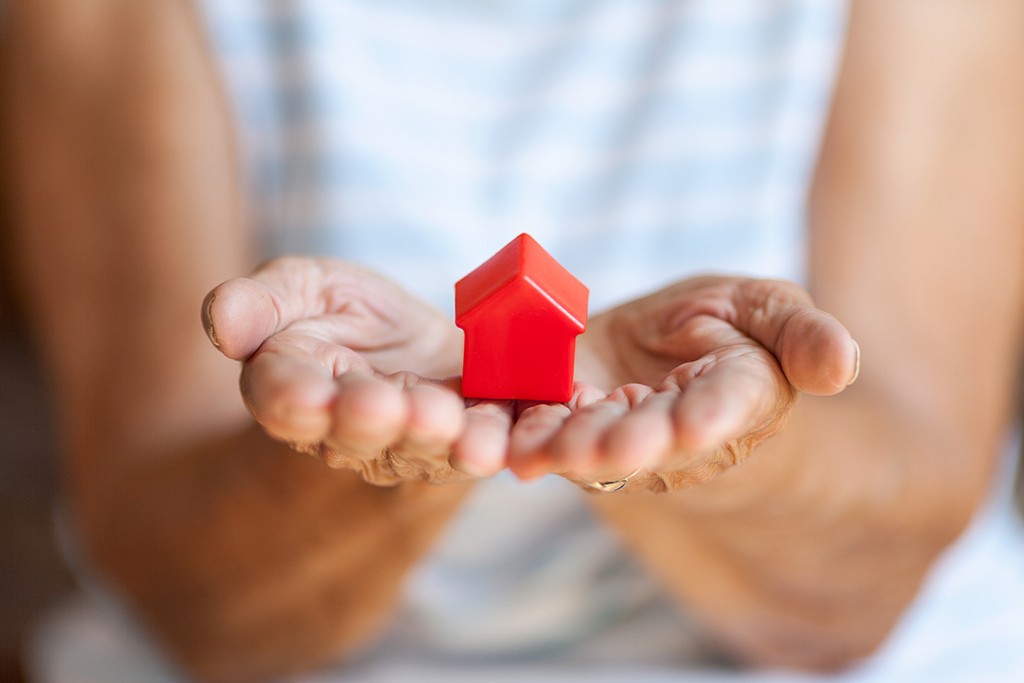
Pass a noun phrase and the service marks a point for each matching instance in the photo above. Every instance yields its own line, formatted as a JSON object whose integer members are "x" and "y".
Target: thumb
{"x": 817, "y": 353}
{"x": 240, "y": 314}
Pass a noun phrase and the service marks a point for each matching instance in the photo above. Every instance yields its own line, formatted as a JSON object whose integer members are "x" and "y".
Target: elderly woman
{"x": 769, "y": 514}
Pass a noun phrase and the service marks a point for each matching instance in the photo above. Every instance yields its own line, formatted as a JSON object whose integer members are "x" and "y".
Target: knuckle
{"x": 334, "y": 459}
{"x": 406, "y": 379}
{"x": 489, "y": 412}
{"x": 286, "y": 263}
{"x": 543, "y": 415}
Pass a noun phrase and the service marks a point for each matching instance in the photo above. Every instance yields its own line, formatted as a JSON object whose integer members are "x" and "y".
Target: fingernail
{"x": 208, "y": 319}
{"x": 856, "y": 363}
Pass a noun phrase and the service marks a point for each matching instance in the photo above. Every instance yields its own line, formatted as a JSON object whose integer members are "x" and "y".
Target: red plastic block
{"x": 521, "y": 312}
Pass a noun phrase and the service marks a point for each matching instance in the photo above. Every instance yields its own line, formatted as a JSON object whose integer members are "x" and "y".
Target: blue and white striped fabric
{"x": 637, "y": 140}
{"x": 640, "y": 141}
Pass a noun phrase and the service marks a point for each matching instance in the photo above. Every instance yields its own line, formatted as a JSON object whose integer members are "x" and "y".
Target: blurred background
{"x": 32, "y": 575}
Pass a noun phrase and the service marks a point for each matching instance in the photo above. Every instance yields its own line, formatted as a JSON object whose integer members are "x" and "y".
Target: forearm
{"x": 250, "y": 561}
{"x": 806, "y": 554}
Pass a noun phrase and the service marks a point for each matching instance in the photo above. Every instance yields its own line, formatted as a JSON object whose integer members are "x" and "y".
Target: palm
{"x": 344, "y": 364}
{"x": 695, "y": 376}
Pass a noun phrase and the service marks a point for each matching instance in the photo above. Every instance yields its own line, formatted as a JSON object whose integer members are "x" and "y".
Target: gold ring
{"x": 613, "y": 485}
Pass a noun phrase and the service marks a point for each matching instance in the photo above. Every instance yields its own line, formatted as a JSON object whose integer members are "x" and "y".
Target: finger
{"x": 731, "y": 397}
{"x": 818, "y": 354}
{"x": 369, "y": 415}
{"x": 289, "y": 391}
{"x": 289, "y": 384}
{"x": 579, "y": 447}
{"x": 535, "y": 427}
{"x": 584, "y": 394}
{"x": 238, "y": 315}
{"x": 436, "y": 419}
{"x": 481, "y": 449}
{"x": 644, "y": 435}
{"x": 289, "y": 396}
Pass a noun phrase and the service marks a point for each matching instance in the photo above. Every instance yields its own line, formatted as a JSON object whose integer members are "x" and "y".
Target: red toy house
{"x": 521, "y": 312}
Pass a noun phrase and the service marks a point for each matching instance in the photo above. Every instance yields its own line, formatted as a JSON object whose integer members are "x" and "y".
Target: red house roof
{"x": 523, "y": 259}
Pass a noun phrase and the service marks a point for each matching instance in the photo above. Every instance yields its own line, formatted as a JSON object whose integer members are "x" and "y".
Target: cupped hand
{"x": 681, "y": 385}
{"x": 344, "y": 364}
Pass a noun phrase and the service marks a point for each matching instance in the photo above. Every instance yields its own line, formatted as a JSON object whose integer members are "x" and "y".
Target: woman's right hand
{"x": 344, "y": 364}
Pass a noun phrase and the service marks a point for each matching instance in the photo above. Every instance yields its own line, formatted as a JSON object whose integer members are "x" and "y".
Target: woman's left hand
{"x": 679, "y": 386}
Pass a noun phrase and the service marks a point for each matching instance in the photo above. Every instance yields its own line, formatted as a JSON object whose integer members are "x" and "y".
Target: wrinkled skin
{"x": 672, "y": 388}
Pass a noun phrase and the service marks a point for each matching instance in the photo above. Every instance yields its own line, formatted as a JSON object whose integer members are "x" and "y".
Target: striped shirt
{"x": 637, "y": 140}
